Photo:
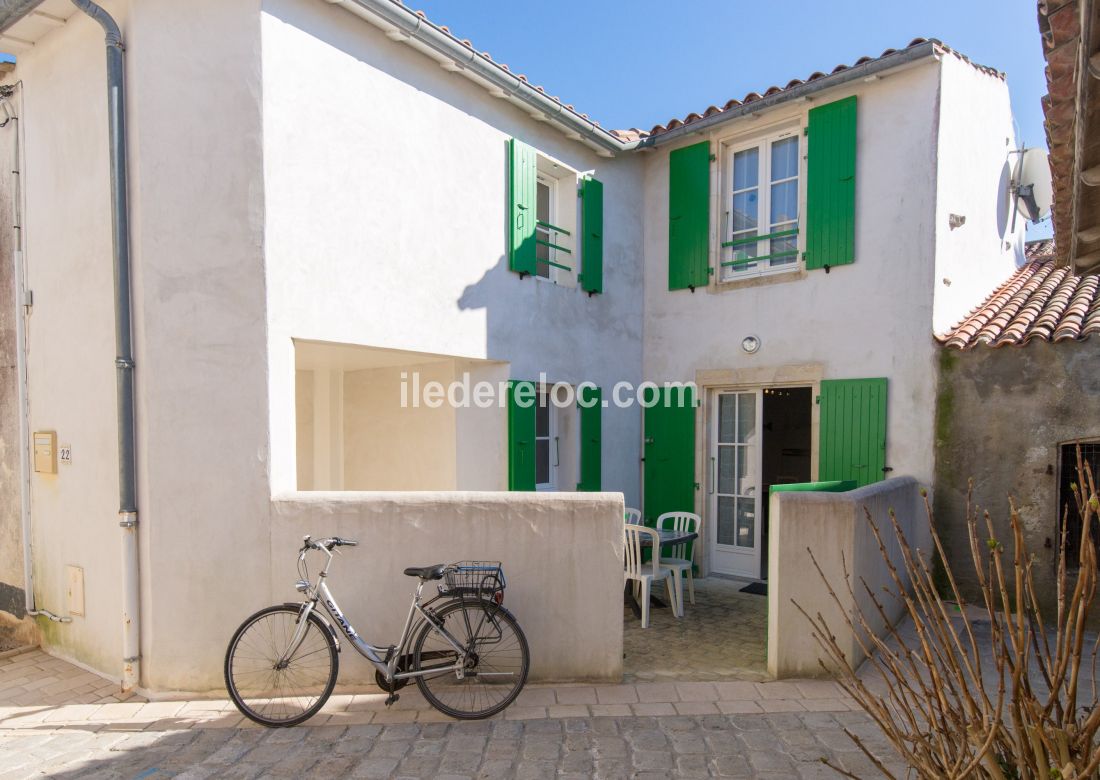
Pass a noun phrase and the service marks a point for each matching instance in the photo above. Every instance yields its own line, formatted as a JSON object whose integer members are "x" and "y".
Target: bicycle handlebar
{"x": 327, "y": 544}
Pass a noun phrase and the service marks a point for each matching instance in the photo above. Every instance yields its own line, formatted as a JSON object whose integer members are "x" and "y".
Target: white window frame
{"x": 542, "y": 233}
{"x": 762, "y": 141}
{"x": 553, "y": 440}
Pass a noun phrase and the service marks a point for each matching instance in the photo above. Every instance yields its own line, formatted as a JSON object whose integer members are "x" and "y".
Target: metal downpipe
{"x": 124, "y": 353}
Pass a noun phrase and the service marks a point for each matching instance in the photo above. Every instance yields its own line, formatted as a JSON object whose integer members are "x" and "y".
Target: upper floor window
{"x": 545, "y": 206}
{"x": 761, "y": 207}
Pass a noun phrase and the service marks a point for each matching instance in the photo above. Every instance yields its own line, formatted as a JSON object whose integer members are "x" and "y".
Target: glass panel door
{"x": 735, "y": 489}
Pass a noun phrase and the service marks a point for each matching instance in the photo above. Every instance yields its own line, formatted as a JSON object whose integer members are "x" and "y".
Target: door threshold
{"x": 735, "y": 578}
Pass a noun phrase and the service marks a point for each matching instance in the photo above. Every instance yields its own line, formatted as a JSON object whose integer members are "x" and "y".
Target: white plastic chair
{"x": 632, "y": 516}
{"x": 679, "y": 560}
{"x": 645, "y": 574}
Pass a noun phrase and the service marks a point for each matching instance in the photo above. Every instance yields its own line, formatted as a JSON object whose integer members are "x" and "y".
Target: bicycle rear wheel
{"x": 273, "y": 692}
{"x": 497, "y": 660}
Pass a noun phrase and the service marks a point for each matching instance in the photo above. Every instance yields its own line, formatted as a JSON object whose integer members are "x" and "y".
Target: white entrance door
{"x": 734, "y": 488}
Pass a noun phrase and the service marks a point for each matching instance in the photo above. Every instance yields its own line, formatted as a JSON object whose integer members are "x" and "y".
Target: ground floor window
{"x": 1069, "y": 518}
{"x": 547, "y": 455}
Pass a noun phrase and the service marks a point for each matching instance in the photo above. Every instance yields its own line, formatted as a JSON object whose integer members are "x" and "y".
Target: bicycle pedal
{"x": 392, "y": 698}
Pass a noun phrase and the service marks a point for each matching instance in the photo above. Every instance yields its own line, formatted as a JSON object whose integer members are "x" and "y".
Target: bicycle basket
{"x": 474, "y": 579}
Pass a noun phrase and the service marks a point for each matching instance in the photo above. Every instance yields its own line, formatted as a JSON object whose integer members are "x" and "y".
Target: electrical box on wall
{"x": 45, "y": 452}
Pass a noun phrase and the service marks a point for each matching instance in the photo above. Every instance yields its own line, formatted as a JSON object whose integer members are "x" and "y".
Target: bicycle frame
{"x": 384, "y": 659}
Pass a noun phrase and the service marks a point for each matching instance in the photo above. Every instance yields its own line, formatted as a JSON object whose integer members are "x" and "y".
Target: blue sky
{"x": 637, "y": 64}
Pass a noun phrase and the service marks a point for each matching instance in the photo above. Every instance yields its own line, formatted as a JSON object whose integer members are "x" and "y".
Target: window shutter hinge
{"x": 826, "y": 267}
{"x": 806, "y": 130}
{"x": 713, "y": 157}
{"x": 710, "y": 271}
{"x": 817, "y": 400}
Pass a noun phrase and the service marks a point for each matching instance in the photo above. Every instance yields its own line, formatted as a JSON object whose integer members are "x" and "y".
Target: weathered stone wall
{"x": 1001, "y": 416}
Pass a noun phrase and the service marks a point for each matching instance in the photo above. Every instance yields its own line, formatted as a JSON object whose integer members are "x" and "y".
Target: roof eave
{"x": 401, "y": 23}
{"x": 899, "y": 59}
{"x": 11, "y": 11}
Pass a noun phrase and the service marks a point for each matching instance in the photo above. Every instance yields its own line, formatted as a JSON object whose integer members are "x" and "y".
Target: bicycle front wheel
{"x": 495, "y": 666}
{"x": 268, "y": 685}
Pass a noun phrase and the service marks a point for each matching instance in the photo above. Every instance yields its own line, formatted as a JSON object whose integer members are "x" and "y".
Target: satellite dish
{"x": 1031, "y": 185}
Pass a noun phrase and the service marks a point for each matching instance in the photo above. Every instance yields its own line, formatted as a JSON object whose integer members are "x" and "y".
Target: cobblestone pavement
{"x": 722, "y": 636}
{"x": 784, "y": 745}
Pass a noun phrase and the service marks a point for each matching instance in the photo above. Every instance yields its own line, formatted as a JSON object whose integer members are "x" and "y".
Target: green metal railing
{"x": 546, "y": 228}
{"x": 756, "y": 239}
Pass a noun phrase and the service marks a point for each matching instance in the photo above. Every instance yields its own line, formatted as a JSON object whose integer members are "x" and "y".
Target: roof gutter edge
{"x": 11, "y": 11}
{"x": 897, "y": 59}
{"x": 428, "y": 34}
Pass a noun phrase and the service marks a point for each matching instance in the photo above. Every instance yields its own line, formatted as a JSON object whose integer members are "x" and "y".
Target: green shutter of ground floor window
{"x": 689, "y": 217}
{"x": 592, "y": 243}
{"x": 590, "y": 411}
{"x": 521, "y": 435}
{"x": 852, "y": 432}
{"x": 522, "y": 199}
{"x": 831, "y": 184}
{"x": 669, "y": 469}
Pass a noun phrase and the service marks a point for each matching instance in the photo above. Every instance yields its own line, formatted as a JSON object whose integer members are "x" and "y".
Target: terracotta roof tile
{"x": 775, "y": 90}
{"x": 1039, "y": 301}
{"x": 636, "y": 134}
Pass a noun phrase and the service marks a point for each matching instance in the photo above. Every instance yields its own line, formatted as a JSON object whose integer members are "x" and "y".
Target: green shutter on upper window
{"x": 852, "y": 430}
{"x": 521, "y": 435}
{"x": 592, "y": 241}
{"x": 689, "y": 217}
{"x": 590, "y": 410}
{"x": 831, "y": 184}
{"x": 522, "y": 199}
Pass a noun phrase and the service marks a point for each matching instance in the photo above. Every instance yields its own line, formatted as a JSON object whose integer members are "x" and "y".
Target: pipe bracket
{"x": 122, "y": 362}
{"x": 130, "y": 519}
{"x": 132, "y": 659}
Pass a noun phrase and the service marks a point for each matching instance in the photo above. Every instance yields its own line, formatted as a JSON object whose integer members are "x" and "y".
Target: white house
{"x": 331, "y": 200}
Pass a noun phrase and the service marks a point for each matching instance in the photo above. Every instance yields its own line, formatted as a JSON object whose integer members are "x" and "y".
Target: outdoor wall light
{"x": 750, "y": 344}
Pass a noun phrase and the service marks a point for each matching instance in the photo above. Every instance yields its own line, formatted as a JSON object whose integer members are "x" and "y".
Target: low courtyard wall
{"x": 834, "y": 527}
{"x": 562, "y": 556}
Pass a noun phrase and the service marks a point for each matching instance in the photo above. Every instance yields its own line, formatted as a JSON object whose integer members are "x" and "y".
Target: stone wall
{"x": 1001, "y": 416}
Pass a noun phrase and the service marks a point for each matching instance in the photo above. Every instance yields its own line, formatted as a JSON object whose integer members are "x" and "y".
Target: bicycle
{"x": 467, "y": 653}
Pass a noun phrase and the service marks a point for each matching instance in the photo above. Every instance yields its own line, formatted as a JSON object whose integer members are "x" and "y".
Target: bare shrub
{"x": 952, "y": 709}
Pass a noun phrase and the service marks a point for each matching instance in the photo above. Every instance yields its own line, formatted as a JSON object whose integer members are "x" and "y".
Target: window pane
{"x": 726, "y": 457}
{"x": 785, "y": 158}
{"x": 781, "y": 245}
{"x": 746, "y": 477}
{"x": 542, "y": 207}
{"x": 746, "y": 422}
{"x": 542, "y": 417}
{"x": 746, "y": 522}
{"x": 726, "y": 417}
{"x": 784, "y": 206}
{"x": 746, "y": 169}
{"x": 542, "y": 461}
{"x": 744, "y": 211}
{"x": 726, "y": 532}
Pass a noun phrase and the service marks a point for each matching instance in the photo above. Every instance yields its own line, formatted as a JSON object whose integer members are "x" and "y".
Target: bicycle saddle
{"x": 426, "y": 572}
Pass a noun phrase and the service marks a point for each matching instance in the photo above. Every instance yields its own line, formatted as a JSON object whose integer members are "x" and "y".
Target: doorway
{"x": 759, "y": 438}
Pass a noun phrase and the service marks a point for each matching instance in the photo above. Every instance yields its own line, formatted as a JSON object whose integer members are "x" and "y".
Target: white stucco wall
{"x": 868, "y": 319}
{"x": 973, "y": 166}
{"x": 386, "y": 200}
{"x": 561, "y": 555}
{"x": 830, "y": 532}
{"x": 71, "y": 375}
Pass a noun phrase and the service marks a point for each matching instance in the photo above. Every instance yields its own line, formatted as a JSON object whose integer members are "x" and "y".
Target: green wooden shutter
{"x": 522, "y": 198}
{"x": 689, "y": 217}
{"x": 592, "y": 242}
{"x": 831, "y": 184}
{"x": 521, "y": 436}
{"x": 853, "y": 430}
{"x": 669, "y": 469}
{"x": 590, "y": 411}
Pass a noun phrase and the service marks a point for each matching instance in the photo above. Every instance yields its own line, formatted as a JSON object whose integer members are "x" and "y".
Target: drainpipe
{"x": 124, "y": 360}
{"x": 22, "y": 305}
